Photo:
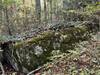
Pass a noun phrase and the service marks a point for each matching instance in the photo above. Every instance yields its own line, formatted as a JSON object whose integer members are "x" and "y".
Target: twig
{"x": 35, "y": 70}
{"x": 3, "y": 72}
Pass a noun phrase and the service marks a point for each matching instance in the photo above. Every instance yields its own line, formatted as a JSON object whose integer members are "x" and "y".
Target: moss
{"x": 92, "y": 8}
{"x": 46, "y": 39}
{"x": 35, "y": 39}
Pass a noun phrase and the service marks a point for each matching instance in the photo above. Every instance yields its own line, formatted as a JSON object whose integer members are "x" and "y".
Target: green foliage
{"x": 9, "y": 2}
{"x": 2, "y": 38}
{"x": 92, "y": 8}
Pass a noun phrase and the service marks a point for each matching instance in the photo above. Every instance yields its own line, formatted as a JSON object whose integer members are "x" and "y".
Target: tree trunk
{"x": 7, "y": 21}
{"x": 45, "y": 12}
{"x": 38, "y": 10}
{"x": 51, "y": 10}
{"x": 0, "y": 12}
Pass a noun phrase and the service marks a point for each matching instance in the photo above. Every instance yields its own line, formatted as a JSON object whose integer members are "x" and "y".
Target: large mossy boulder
{"x": 31, "y": 53}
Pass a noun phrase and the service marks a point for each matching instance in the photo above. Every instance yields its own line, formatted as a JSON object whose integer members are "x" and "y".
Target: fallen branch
{"x": 2, "y": 69}
{"x": 32, "y": 72}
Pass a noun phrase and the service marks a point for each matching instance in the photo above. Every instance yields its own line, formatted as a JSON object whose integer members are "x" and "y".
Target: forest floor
{"x": 84, "y": 60}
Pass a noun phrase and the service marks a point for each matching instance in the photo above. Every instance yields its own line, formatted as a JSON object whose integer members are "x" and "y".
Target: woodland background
{"x": 50, "y": 37}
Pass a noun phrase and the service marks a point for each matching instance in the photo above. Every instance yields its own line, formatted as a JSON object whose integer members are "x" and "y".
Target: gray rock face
{"x": 38, "y": 50}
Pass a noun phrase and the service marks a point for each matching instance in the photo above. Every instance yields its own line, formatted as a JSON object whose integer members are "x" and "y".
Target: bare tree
{"x": 7, "y": 21}
{"x": 38, "y": 10}
{"x": 45, "y": 11}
